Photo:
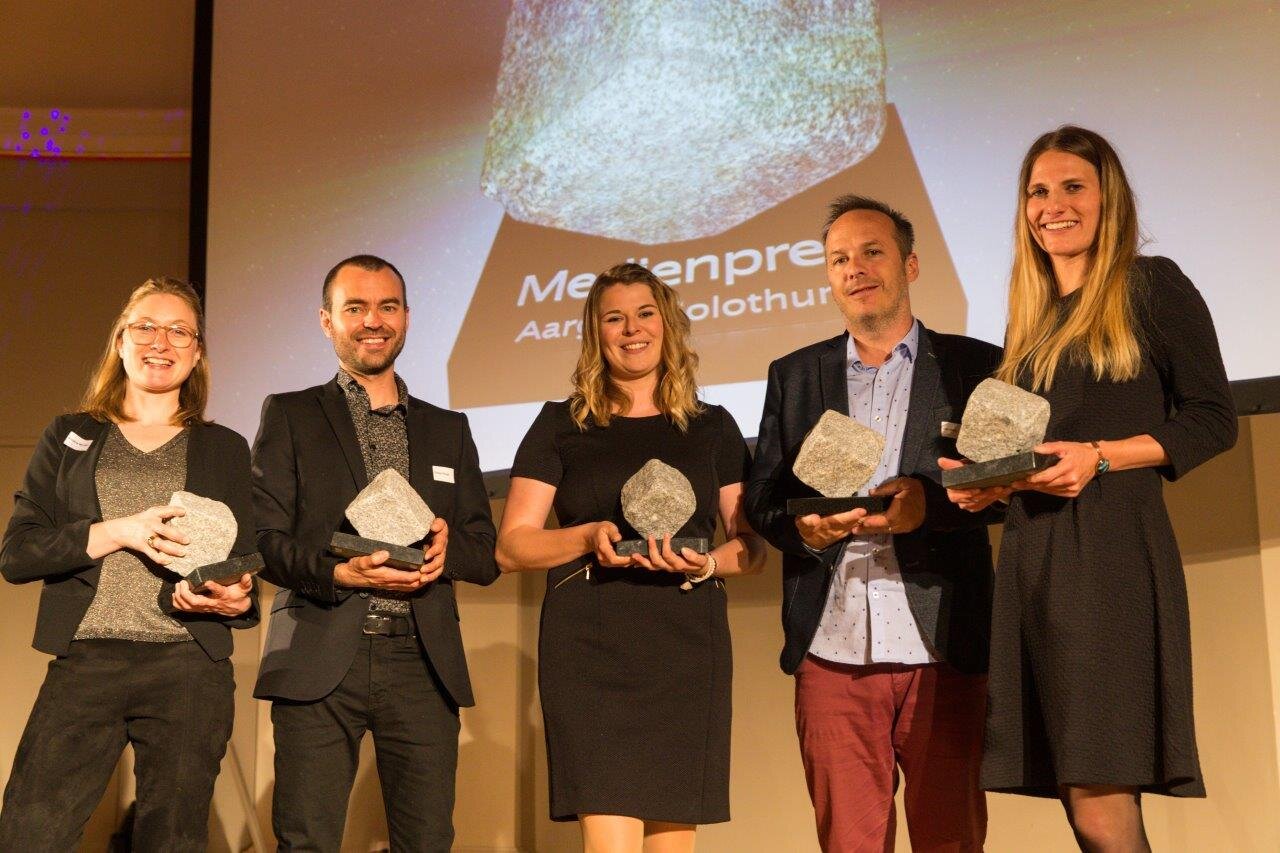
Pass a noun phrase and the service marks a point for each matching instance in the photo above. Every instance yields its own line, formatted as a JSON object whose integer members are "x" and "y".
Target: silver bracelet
{"x": 707, "y": 574}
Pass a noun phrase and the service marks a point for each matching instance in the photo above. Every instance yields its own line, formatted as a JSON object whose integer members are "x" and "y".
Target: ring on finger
{"x": 151, "y": 541}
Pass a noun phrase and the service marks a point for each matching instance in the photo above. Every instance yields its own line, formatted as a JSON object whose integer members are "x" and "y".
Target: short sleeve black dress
{"x": 1091, "y": 646}
{"x": 634, "y": 672}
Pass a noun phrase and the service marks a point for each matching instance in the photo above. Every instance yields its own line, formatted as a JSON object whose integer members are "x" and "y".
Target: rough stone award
{"x": 212, "y": 528}
{"x": 837, "y": 458}
{"x": 1001, "y": 425}
{"x": 389, "y": 515}
{"x": 658, "y": 500}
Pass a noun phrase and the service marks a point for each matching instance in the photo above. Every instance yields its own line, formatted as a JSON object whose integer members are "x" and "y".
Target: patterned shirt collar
{"x": 905, "y": 348}
{"x": 351, "y": 387}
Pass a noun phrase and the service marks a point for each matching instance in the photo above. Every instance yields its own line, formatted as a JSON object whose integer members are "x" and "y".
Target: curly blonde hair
{"x": 596, "y": 397}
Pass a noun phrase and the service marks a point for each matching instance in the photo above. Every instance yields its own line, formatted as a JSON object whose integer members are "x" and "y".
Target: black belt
{"x": 387, "y": 625}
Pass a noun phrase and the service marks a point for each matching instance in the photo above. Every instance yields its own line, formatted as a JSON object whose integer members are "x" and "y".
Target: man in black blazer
{"x": 354, "y": 645}
{"x": 886, "y": 617}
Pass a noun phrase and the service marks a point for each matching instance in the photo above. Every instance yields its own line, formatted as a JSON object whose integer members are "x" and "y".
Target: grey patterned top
{"x": 126, "y": 602}
{"x": 384, "y": 443}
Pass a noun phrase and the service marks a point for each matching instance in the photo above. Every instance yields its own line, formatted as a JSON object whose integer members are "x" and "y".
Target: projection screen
{"x": 501, "y": 154}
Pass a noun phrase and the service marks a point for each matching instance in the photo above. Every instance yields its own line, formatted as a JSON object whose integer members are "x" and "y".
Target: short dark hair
{"x": 904, "y": 232}
{"x": 368, "y": 263}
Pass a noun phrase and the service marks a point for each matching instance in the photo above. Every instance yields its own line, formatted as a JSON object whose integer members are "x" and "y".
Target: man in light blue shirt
{"x": 887, "y": 617}
{"x": 867, "y": 618}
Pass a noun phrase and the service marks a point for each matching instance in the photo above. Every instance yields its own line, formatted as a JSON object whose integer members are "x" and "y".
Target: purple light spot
{"x": 26, "y": 114}
{"x": 18, "y": 147}
{"x": 44, "y": 131}
{"x": 79, "y": 149}
{"x": 35, "y": 153}
{"x": 49, "y": 146}
{"x": 53, "y": 114}
{"x": 62, "y": 129}
{"x": 26, "y": 134}
{"x": 66, "y": 117}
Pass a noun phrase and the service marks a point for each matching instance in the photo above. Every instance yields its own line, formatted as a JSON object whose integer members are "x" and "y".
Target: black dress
{"x": 1091, "y": 647}
{"x": 634, "y": 673}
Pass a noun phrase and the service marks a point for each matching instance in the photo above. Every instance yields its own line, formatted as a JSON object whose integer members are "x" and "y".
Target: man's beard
{"x": 349, "y": 355}
{"x": 874, "y": 323}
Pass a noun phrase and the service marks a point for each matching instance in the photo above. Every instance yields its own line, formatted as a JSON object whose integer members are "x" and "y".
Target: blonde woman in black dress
{"x": 634, "y": 660}
{"x": 1090, "y": 685}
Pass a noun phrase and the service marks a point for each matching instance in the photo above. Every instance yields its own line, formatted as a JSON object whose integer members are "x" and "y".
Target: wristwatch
{"x": 1104, "y": 464}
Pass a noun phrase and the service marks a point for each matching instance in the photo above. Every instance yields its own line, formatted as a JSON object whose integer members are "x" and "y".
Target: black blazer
{"x": 48, "y": 534}
{"x": 307, "y": 467}
{"x": 945, "y": 563}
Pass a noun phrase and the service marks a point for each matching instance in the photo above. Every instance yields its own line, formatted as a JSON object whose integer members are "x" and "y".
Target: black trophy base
{"x": 226, "y": 572}
{"x": 997, "y": 472}
{"x": 874, "y": 505}
{"x": 627, "y": 547}
{"x": 402, "y": 557}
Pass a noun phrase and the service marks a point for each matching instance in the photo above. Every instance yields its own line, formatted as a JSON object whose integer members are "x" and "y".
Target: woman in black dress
{"x": 634, "y": 660}
{"x": 140, "y": 658}
{"x": 1090, "y": 685}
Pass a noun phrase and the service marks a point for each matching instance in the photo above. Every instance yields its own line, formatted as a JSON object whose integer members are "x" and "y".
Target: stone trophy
{"x": 212, "y": 528}
{"x": 837, "y": 458}
{"x": 388, "y": 514}
{"x": 1001, "y": 425}
{"x": 658, "y": 500}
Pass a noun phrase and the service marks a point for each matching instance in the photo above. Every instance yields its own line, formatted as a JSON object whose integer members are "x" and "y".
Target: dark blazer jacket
{"x": 307, "y": 467}
{"x": 945, "y": 563}
{"x": 49, "y": 531}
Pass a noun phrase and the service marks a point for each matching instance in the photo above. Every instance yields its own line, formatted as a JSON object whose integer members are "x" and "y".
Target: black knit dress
{"x": 634, "y": 673}
{"x": 1091, "y": 648}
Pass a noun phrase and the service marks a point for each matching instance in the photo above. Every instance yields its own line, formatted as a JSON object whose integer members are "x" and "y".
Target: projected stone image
{"x": 716, "y": 175}
{"x": 655, "y": 121}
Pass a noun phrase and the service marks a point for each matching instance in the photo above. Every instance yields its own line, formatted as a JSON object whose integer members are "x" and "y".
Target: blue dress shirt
{"x": 867, "y": 618}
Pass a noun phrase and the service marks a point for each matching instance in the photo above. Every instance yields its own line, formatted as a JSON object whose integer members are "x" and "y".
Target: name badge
{"x": 442, "y": 474}
{"x": 75, "y": 442}
{"x": 950, "y": 430}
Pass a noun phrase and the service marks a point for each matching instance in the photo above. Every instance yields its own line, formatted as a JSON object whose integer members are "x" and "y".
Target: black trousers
{"x": 390, "y": 691}
{"x": 167, "y": 699}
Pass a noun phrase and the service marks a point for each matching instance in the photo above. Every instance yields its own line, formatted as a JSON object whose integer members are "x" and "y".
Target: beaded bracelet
{"x": 707, "y": 574}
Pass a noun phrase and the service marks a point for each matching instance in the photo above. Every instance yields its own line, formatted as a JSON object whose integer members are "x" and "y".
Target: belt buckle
{"x": 377, "y": 625}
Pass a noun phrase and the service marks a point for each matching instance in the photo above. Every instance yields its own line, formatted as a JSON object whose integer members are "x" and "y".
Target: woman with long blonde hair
{"x": 140, "y": 658}
{"x": 1090, "y": 684}
{"x": 634, "y": 658}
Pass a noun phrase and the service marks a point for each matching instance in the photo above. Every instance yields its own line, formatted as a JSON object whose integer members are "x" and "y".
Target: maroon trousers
{"x": 859, "y": 724}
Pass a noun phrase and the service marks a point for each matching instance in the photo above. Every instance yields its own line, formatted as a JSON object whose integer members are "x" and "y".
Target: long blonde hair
{"x": 1099, "y": 329}
{"x": 596, "y": 395}
{"x": 104, "y": 396}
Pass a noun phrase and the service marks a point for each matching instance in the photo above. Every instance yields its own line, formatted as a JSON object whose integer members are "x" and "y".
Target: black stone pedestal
{"x": 225, "y": 572}
{"x": 997, "y": 472}
{"x": 627, "y": 547}
{"x": 402, "y": 557}
{"x": 874, "y": 505}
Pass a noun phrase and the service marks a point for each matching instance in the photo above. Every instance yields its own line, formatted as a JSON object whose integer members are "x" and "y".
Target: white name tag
{"x": 75, "y": 442}
{"x": 442, "y": 474}
{"x": 950, "y": 430}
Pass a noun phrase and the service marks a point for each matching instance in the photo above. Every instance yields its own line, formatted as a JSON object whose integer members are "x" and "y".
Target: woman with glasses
{"x": 140, "y": 658}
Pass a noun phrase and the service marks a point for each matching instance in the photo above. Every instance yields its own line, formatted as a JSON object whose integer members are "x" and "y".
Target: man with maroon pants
{"x": 886, "y": 617}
